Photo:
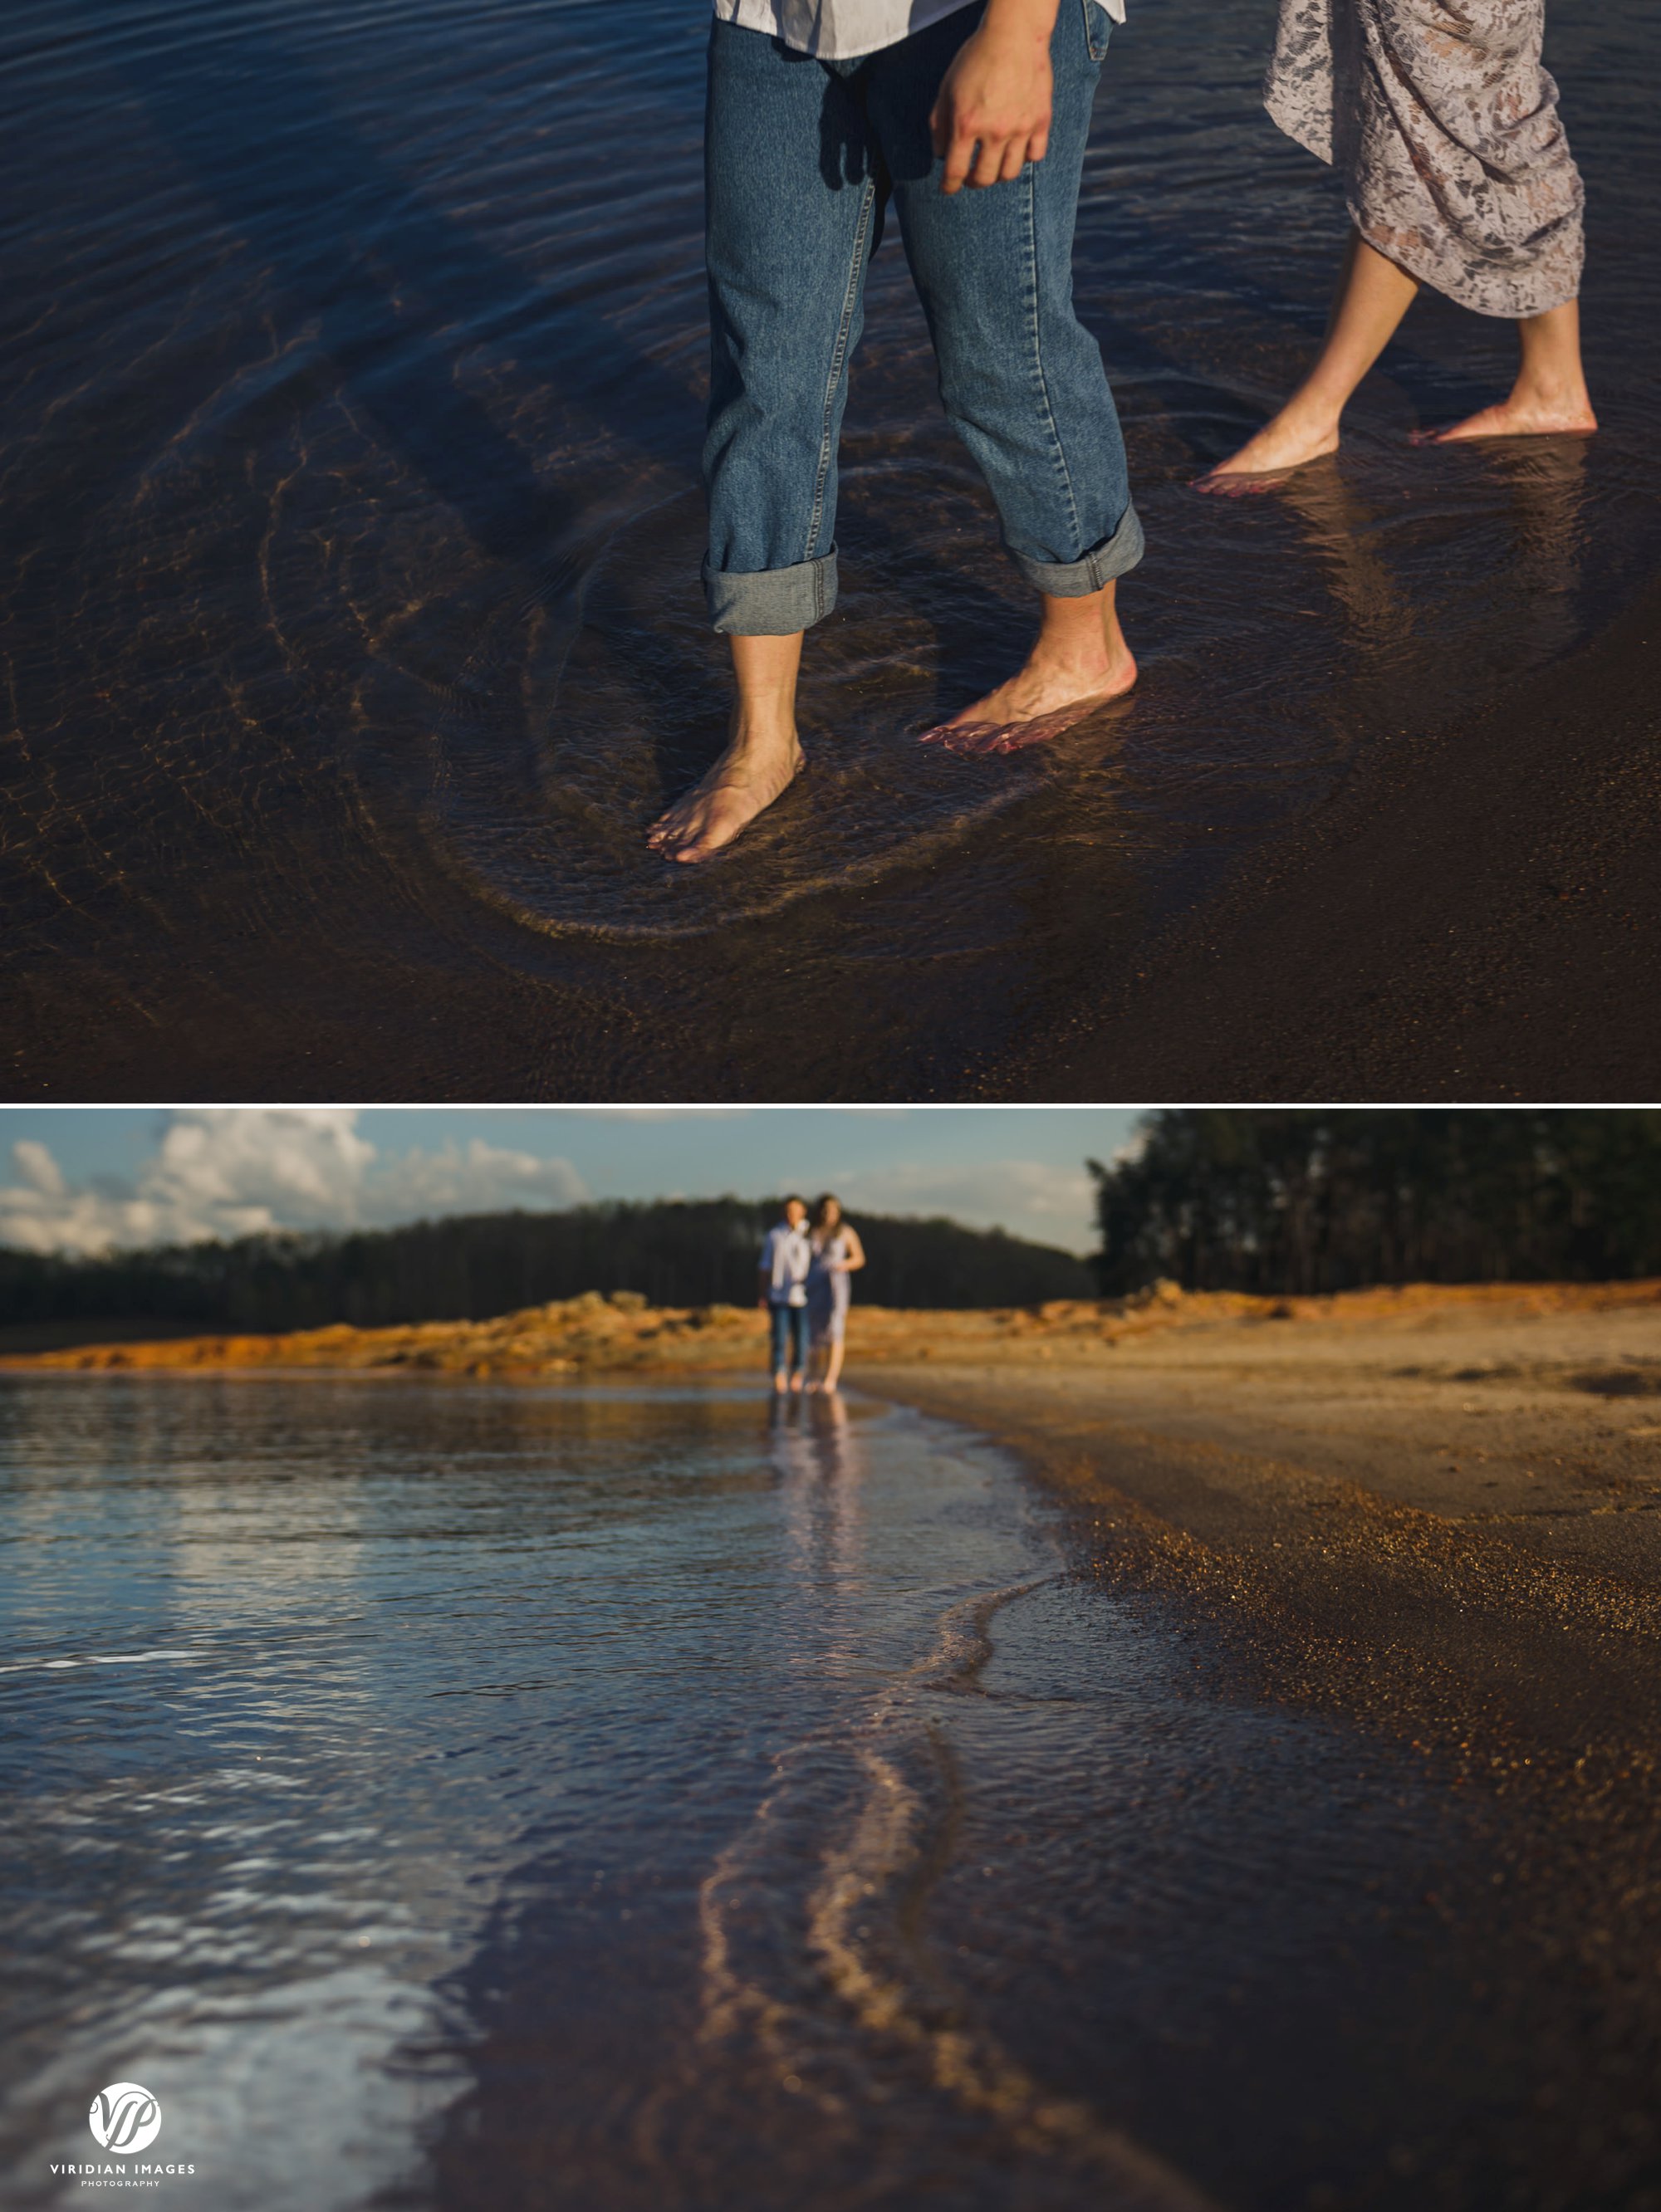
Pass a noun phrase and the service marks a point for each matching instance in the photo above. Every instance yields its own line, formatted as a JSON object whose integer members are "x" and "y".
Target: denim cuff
{"x": 770, "y": 602}
{"x": 1075, "y": 579}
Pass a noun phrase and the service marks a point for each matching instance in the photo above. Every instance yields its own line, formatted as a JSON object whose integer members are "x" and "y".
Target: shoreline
{"x": 1522, "y": 1630}
{"x": 1317, "y": 1553}
{"x": 1431, "y": 1516}
{"x": 1440, "y": 1512}
{"x": 1436, "y": 1505}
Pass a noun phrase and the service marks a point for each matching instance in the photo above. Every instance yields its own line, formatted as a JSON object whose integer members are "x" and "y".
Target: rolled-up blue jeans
{"x": 802, "y": 157}
{"x": 789, "y": 1336}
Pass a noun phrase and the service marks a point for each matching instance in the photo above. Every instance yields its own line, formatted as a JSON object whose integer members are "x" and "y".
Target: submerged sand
{"x": 1476, "y": 914}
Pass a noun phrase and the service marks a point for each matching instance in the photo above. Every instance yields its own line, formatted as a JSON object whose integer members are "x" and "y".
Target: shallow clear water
{"x": 353, "y": 372}
{"x": 472, "y": 1796}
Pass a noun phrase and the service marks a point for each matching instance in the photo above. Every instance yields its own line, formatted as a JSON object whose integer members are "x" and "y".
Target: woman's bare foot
{"x": 1519, "y": 417}
{"x": 1372, "y": 296}
{"x": 757, "y": 766}
{"x": 1080, "y": 661}
{"x": 1296, "y": 436}
{"x": 1549, "y": 398}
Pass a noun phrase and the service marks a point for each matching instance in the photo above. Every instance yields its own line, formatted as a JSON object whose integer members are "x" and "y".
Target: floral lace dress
{"x": 829, "y": 1290}
{"x": 1445, "y": 126}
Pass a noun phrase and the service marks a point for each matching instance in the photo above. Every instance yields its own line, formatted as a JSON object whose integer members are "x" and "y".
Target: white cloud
{"x": 478, "y": 1178}
{"x": 1052, "y": 1204}
{"x": 663, "y": 1113}
{"x": 230, "y": 1171}
{"x": 40, "y": 1172}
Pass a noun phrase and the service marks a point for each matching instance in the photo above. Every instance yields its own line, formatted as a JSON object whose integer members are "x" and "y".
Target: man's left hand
{"x": 993, "y": 114}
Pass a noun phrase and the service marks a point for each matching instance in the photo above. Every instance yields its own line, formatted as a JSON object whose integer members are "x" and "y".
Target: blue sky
{"x": 82, "y": 1178}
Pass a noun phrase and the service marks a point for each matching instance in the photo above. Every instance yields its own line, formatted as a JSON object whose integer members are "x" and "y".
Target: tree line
{"x": 1301, "y": 1201}
{"x": 469, "y": 1267}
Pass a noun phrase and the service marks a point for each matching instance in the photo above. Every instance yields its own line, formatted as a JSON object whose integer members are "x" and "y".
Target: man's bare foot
{"x": 1296, "y": 436}
{"x": 1525, "y": 415}
{"x": 1013, "y": 737}
{"x": 755, "y": 769}
{"x": 1080, "y": 661}
{"x": 1046, "y": 688}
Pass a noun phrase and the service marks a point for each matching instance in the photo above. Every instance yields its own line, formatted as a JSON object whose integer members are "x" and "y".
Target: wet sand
{"x": 1477, "y": 913}
{"x": 1447, "y": 1511}
{"x": 1443, "y": 1526}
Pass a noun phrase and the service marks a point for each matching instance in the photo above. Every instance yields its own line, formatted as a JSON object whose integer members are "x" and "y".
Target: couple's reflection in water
{"x": 1364, "y": 541}
{"x": 818, "y": 1455}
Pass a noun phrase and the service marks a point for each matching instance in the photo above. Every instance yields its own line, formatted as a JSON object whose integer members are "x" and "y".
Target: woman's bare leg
{"x": 763, "y": 756}
{"x": 833, "y": 1365}
{"x": 1550, "y": 392}
{"x": 1372, "y": 296}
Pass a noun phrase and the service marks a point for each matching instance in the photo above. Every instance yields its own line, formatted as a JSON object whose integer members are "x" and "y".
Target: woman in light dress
{"x": 837, "y": 1253}
{"x": 1456, "y": 173}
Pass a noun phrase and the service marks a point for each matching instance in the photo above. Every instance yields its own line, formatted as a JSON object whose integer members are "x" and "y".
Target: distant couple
{"x": 804, "y": 1267}
{"x": 1456, "y": 173}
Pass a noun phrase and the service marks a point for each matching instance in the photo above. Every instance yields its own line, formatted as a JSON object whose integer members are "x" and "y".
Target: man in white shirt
{"x": 971, "y": 117}
{"x": 787, "y": 1255}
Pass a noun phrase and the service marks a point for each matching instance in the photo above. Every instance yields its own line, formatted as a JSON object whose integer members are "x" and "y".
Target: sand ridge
{"x": 621, "y": 1332}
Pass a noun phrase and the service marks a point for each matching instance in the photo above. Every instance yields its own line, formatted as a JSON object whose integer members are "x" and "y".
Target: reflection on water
{"x": 352, "y": 623}
{"x": 472, "y": 1796}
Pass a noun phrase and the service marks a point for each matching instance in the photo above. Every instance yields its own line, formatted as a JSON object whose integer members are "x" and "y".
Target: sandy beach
{"x": 1441, "y": 1523}
{"x": 1442, "y": 1510}
{"x": 1426, "y": 1516}
{"x": 1440, "y": 1503}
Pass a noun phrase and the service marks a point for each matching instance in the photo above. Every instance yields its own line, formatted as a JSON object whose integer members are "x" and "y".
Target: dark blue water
{"x": 465, "y": 1797}
{"x": 352, "y": 363}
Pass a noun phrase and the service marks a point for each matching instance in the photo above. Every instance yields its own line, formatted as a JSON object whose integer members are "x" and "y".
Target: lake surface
{"x": 454, "y": 1797}
{"x": 352, "y": 366}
